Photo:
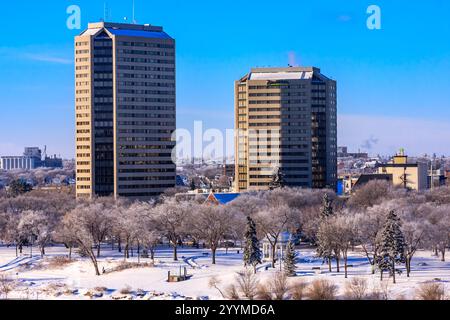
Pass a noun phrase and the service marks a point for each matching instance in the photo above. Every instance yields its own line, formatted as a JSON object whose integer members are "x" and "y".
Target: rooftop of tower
{"x": 127, "y": 30}
{"x": 289, "y": 73}
{"x": 284, "y": 73}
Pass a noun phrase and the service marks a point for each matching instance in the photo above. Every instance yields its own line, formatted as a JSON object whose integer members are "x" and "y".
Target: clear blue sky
{"x": 394, "y": 84}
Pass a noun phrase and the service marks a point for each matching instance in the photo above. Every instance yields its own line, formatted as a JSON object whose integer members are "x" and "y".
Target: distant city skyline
{"x": 393, "y": 83}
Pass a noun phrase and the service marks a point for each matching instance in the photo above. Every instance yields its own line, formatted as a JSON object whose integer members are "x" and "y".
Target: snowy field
{"x": 77, "y": 280}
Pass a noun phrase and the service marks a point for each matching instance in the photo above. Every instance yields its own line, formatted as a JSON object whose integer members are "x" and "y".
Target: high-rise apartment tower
{"x": 125, "y": 110}
{"x": 286, "y": 126}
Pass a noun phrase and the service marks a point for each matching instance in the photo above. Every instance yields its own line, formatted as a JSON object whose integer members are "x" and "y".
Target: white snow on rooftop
{"x": 281, "y": 75}
{"x": 91, "y": 32}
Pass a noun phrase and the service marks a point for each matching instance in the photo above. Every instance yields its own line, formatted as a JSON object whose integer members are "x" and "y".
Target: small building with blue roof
{"x": 221, "y": 198}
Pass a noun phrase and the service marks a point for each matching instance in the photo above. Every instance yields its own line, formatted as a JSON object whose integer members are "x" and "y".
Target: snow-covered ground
{"x": 77, "y": 280}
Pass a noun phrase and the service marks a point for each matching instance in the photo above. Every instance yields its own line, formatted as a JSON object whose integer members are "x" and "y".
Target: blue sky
{"x": 393, "y": 83}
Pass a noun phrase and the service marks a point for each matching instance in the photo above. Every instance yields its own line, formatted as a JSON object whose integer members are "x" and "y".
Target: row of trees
{"x": 39, "y": 219}
{"x": 334, "y": 225}
{"x": 388, "y": 224}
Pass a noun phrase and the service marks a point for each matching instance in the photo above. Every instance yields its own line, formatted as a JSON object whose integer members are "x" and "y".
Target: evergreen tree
{"x": 252, "y": 252}
{"x": 277, "y": 179}
{"x": 392, "y": 244}
{"x": 324, "y": 247}
{"x": 289, "y": 259}
{"x": 327, "y": 206}
{"x": 19, "y": 187}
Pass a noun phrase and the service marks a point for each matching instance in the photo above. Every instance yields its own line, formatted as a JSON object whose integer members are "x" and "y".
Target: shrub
{"x": 431, "y": 291}
{"x": 356, "y": 289}
{"x": 263, "y": 293}
{"x": 214, "y": 282}
{"x": 140, "y": 292}
{"x": 231, "y": 292}
{"x": 247, "y": 283}
{"x": 279, "y": 286}
{"x": 126, "y": 290}
{"x": 275, "y": 289}
{"x": 385, "y": 290}
{"x": 321, "y": 290}
{"x": 59, "y": 262}
{"x": 6, "y": 285}
{"x": 129, "y": 265}
{"x": 375, "y": 294}
{"x": 297, "y": 290}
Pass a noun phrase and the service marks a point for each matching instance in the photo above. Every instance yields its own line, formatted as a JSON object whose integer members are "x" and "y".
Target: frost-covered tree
{"x": 78, "y": 224}
{"x": 252, "y": 251}
{"x": 151, "y": 238}
{"x": 146, "y": 234}
{"x": 326, "y": 248}
{"x": 344, "y": 235}
{"x": 238, "y": 224}
{"x": 210, "y": 223}
{"x": 371, "y": 194}
{"x": 62, "y": 235}
{"x": 171, "y": 217}
{"x": 3, "y": 224}
{"x": 327, "y": 206}
{"x": 12, "y": 235}
{"x": 271, "y": 222}
{"x": 415, "y": 229}
{"x": 37, "y": 226}
{"x": 290, "y": 259}
{"x": 130, "y": 224}
{"x": 368, "y": 225}
{"x": 392, "y": 241}
{"x": 100, "y": 219}
{"x": 335, "y": 237}
{"x": 439, "y": 229}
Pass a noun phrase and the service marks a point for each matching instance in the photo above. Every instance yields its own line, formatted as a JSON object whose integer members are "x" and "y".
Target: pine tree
{"x": 392, "y": 244}
{"x": 19, "y": 187}
{"x": 323, "y": 246}
{"x": 277, "y": 179}
{"x": 252, "y": 252}
{"x": 327, "y": 206}
{"x": 289, "y": 259}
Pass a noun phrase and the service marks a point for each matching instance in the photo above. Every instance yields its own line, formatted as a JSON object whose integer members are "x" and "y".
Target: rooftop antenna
{"x": 106, "y": 12}
{"x": 134, "y": 20}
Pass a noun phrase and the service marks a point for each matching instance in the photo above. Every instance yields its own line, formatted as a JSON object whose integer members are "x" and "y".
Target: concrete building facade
{"x": 17, "y": 163}
{"x": 285, "y": 120}
{"x": 413, "y": 176}
{"x": 31, "y": 159}
{"x": 125, "y": 110}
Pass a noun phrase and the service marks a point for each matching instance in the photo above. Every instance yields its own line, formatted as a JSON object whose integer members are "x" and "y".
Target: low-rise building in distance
{"x": 413, "y": 176}
{"x": 31, "y": 159}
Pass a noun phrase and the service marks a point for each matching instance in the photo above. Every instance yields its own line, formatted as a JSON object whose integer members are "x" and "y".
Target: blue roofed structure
{"x": 222, "y": 198}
